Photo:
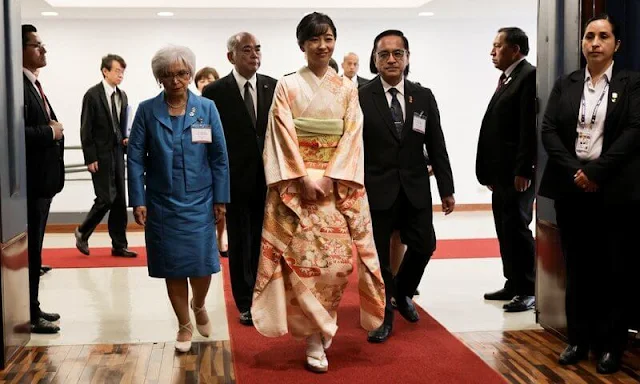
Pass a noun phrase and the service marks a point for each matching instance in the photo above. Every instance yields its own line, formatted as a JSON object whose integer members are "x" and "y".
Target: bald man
{"x": 350, "y": 65}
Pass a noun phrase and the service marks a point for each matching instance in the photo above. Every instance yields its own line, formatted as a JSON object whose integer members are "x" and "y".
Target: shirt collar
{"x": 241, "y": 80}
{"x": 399, "y": 86}
{"x": 513, "y": 66}
{"x": 108, "y": 89}
{"x": 30, "y": 75}
{"x": 607, "y": 74}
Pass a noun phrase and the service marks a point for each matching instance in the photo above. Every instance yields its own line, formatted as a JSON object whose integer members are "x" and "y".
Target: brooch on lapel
{"x": 614, "y": 97}
{"x": 508, "y": 80}
{"x": 410, "y": 99}
{"x": 265, "y": 86}
{"x": 193, "y": 112}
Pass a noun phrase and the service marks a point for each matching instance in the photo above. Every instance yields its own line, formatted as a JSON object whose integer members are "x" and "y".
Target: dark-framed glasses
{"x": 397, "y": 53}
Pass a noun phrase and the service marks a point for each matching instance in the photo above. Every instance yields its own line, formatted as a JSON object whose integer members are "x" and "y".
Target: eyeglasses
{"x": 182, "y": 75}
{"x": 384, "y": 55}
{"x": 36, "y": 45}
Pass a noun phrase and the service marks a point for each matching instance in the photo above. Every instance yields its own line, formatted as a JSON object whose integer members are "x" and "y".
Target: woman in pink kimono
{"x": 317, "y": 208}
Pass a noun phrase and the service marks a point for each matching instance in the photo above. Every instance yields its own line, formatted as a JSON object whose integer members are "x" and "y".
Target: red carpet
{"x": 101, "y": 257}
{"x": 424, "y": 352}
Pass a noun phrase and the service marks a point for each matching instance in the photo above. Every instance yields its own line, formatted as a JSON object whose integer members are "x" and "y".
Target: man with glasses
{"x": 102, "y": 131}
{"x": 243, "y": 99}
{"x": 401, "y": 118}
{"x": 45, "y": 167}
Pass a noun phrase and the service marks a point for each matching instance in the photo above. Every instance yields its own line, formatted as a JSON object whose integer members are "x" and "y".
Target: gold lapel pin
{"x": 614, "y": 97}
{"x": 410, "y": 99}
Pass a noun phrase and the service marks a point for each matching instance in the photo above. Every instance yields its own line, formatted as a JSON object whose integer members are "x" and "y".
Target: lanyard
{"x": 595, "y": 109}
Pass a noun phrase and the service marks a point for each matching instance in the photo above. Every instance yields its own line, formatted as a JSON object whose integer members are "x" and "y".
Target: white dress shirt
{"x": 252, "y": 89}
{"x": 400, "y": 95}
{"x": 591, "y": 94}
{"x": 108, "y": 90}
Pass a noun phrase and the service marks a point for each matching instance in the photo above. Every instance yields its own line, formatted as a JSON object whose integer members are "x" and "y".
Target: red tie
{"x": 503, "y": 77}
{"x": 44, "y": 99}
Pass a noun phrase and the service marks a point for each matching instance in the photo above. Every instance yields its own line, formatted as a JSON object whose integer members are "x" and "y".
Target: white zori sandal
{"x": 316, "y": 358}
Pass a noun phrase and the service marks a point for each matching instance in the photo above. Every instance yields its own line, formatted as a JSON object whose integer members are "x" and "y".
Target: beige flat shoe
{"x": 184, "y": 346}
{"x": 204, "y": 329}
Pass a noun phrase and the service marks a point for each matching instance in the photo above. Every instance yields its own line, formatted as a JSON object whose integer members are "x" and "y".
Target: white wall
{"x": 449, "y": 56}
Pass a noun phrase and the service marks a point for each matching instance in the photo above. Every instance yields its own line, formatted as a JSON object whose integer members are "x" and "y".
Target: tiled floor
{"x": 124, "y": 305}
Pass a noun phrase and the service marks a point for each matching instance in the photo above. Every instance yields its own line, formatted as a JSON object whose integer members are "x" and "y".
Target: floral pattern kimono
{"x": 315, "y": 130}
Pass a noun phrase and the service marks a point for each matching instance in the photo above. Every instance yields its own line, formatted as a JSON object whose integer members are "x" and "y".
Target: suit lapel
{"x": 193, "y": 111}
{"x": 263, "y": 103}
{"x": 508, "y": 81}
{"x": 235, "y": 93}
{"x": 575, "y": 92}
{"x": 124, "y": 103}
{"x": 409, "y": 109}
{"x": 104, "y": 102}
{"x": 35, "y": 94}
{"x": 380, "y": 101}
{"x": 616, "y": 86}
{"x": 161, "y": 112}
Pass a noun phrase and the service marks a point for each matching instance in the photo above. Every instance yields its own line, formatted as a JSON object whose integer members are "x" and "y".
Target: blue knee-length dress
{"x": 180, "y": 231}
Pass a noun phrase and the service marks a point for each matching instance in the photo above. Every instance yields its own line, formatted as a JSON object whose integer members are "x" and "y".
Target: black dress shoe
{"x": 608, "y": 363}
{"x": 245, "y": 318}
{"x": 407, "y": 309}
{"x": 520, "y": 304}
{"x": 81, "y": 243}
{"x": 49, "y": 316}
{"x": 224, "y": 253}
{"x": 44, "y": 327}
{"x": 123, "y": 252}
{"x": 379, "y": 335}
{"x": 573, "y": 354}
{"x": 501, "y": 294}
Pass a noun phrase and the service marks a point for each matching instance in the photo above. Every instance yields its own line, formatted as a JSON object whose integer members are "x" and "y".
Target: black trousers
{"x": 416, "y": 231}
{"x": 512, "y": 214}
{"x": 601, "y": 260}
{"x": 37, "y": 215}
{"x": 110, "y": 197}
{"x": 244, "y": 232}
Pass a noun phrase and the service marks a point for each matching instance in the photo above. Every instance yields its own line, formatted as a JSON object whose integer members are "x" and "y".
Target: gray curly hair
{"x": 168, "y": 55}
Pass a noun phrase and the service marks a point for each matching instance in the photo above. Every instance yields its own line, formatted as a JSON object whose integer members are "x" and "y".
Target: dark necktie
{"x": 115, "y": 119}
{"x": 248, "y": 102}
{"x": 396, "y": 111}
{"x": 503, "y": 77}
{"x": 44, "y": 99}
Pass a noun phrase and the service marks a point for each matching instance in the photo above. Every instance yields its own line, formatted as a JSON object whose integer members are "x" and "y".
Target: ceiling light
{"x": 49, "y": 13}
{"x": 426, "y": 14}
{"x": 165, "y": 14}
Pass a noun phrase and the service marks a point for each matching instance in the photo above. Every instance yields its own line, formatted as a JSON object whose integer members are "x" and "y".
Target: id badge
{"x": 419, "y": 122}
{"x": 201, "y": 133}
{"x": 583, "y": 141}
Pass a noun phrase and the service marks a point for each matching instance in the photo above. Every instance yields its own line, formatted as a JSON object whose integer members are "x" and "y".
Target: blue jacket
{"x": 150, "y": 151}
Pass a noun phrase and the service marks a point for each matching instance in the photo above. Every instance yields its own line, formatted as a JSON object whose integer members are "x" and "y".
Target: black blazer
{"x": 392, "y": 162}
{"x": 617, "y": 170}
{"x": 244, "y": 141}
{"x": 362, "y": 81}
{"x": 45, "y": 156}
{"x": 507, "y": 142}
{"x": 96, "y": 126}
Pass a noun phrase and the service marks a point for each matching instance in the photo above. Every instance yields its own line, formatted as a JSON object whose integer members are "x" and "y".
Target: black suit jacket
{"x": 392, "y": 162}
{"x": 507, "y": 143}
{"x": 96, "y": 126}
{"x": 617, "y": 170}
{"x": 244, "y": 141}
{"x": 45, "y": 156}
{"x": 362, "y": 81}
{"x": 99, "y": 140}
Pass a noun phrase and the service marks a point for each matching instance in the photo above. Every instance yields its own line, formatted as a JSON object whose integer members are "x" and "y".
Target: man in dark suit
{"x": 45, "y": 167}
{"x": 350, "y": 66}
{"x": 243, "y": 99}
{"x": 505, "y": 164}
{"x": 103, "y": 122}
{"x": 400, "y": 120}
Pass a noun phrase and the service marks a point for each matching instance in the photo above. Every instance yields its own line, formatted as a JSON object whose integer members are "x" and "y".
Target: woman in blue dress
{"x": 178, "y": 177}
